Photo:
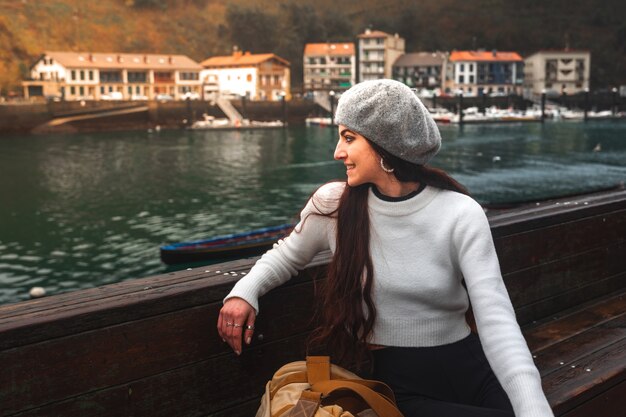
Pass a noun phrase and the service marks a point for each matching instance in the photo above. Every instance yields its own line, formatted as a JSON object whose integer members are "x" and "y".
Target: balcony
{"x": 376, "y": 71}
{"x": 374, "y": 46}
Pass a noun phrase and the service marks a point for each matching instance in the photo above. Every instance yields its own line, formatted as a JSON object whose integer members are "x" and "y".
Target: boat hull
{"x": 239, "y": 245}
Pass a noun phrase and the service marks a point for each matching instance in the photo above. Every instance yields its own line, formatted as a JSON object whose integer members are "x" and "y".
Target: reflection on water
{"x": 84, "y": 210}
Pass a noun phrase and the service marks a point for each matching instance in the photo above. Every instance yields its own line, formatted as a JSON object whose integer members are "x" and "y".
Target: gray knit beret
{"x": 389, "y": 114}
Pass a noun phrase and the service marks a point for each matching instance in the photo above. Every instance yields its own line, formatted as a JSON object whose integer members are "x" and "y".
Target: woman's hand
{"x": 236, "y": 323}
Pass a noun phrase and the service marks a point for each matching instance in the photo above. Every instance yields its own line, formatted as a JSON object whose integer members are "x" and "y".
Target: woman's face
{"x": 361, "y": 161}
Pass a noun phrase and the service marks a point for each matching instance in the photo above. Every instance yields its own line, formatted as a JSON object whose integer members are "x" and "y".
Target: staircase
{"x": 322, "y": 99}
{"x": 229, "y": 110}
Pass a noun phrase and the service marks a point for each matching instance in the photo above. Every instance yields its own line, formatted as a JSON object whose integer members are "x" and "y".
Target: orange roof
{"x": 374, "y": 34}
{"x": 240, "y": 59}
{"x": 329, "y": 49}
{"x": 484, "y": 56}
{"x": 122, "y": 60}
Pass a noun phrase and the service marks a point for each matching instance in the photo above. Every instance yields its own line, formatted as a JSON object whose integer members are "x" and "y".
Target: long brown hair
{"x": 346, "y": 312}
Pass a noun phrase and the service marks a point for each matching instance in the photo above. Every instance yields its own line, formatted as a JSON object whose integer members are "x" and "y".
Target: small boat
{"x": 236, "y": 245}
{"x": 212, "y": 123}
{"x": 318, "y": 121}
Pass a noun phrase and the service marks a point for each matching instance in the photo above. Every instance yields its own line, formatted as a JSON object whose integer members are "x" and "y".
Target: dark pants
{"x": 451, "y": 380}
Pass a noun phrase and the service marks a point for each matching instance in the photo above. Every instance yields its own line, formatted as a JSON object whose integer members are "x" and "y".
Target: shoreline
{"x": 98, "y": 116}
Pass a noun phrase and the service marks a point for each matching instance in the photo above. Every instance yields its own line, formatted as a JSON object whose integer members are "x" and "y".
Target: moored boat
{"x": 212, "y": 123}
{"x": 236, "y": 245}
{"x": 318, "y": 121}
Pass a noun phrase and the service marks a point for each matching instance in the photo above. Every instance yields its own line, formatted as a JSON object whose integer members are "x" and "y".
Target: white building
{"x": 329, "y": 66}
{"x": 377, "y": 53}
{"x": 98, "y": 76}
{"x": 256, "y": 76}
{"x": 556, "y": 72}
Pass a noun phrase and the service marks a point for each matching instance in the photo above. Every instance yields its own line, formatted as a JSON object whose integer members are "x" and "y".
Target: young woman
{"x": 409, "y": 247}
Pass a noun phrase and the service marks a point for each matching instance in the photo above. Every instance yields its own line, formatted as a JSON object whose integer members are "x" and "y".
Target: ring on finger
{"x": 249, "y": 327}
{"x": 229, "y": 323}
{"x": 237, "y": 325}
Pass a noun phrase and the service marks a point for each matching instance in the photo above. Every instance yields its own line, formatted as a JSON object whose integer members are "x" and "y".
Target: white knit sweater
{"x": 421, "y": 248}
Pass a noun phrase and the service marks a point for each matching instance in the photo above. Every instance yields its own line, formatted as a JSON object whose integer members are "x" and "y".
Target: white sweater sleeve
{"x": 310, "y": 236}
{"x": 502, "y": 340}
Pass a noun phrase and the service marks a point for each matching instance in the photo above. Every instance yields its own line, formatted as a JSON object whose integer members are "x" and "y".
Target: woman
{"x": 408, "y": 247}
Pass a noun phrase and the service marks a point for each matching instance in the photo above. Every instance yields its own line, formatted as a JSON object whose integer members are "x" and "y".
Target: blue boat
{"x": 238, "y": 245}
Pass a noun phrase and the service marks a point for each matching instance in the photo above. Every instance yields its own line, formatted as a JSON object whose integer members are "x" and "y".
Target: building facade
{"x": 422, "y": 70}
{"x": 556, "y": 72}
{"x": 102, "y": 76}
{"x": 329, "y": 67}
{"x": 255, "y": 76}
{"x": 475, "y": 73}
{"x": 377, "y": 51}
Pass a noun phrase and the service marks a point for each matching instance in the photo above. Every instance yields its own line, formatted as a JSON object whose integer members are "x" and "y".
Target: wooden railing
{"x": 149, "y": 347}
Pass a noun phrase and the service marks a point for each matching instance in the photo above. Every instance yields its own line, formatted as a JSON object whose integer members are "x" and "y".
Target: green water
{"x": 78, "y": 211}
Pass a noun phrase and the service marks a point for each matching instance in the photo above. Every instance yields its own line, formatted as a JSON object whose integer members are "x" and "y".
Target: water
{"x": 78, "y": 211}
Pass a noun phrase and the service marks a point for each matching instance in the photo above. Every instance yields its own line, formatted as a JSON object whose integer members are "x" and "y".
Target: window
{"x": 72, "y": 90}
{"x": 90, "y": 75}
{"x": 461, "y": 79}
{"x": 73, "y": 75}
{"x": 81, "y": 91}
{"x": 82, "y": 75}
{"x": 471, "y": 79}
{"x": 163, "y": 77}
{"x": 137, "y": 77}
{"x": 462, "y": 68}
{"x": 110, "y": 76}
{"x": 471, "y": 67}
{"x": 189, "y": 76}
{"x": 551, "y": 69}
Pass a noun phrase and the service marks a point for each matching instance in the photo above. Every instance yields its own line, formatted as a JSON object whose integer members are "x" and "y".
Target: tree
{"x": 251, "y": 29}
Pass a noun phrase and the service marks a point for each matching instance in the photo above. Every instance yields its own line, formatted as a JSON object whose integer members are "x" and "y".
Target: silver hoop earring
{"x": 382, "y": 165}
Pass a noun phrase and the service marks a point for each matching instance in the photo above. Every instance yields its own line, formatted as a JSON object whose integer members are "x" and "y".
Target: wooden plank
{"x": 586, "y": 378}
{"x": 76, "y": 298}
{"x": 69, "y": 300}
{"x": 608, "y": 404}
{"x": 567, "y": 352}
{"x": 539, "y": 246}
{"x": 199, "y": 389}
{"x": 40, "y": 326}
{"x": 65, "y": 367}
{"x": 607, "y": 310}
{"x": 544, "y": 215}
{"x": 544, "y": 281}
{"x": 247, "y": 409}
{"x": 551, "y": 306}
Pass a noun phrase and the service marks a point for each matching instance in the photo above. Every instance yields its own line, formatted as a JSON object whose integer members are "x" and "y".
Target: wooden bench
{"x": 148, "y": 347}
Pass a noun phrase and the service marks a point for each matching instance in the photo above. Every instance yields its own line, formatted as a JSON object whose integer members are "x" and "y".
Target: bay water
{"x": 83, "y": 210}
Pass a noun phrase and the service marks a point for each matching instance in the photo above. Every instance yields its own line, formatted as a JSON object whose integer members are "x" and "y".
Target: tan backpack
{"x": 316, "y": 388}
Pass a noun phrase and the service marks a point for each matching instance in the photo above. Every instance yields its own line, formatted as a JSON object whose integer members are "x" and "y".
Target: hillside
{"x": 201, "y": 28}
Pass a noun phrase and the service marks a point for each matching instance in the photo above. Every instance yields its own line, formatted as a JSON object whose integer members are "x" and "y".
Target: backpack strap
{"x": 317, "y": 368}
{"x": 381, "y": 405}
